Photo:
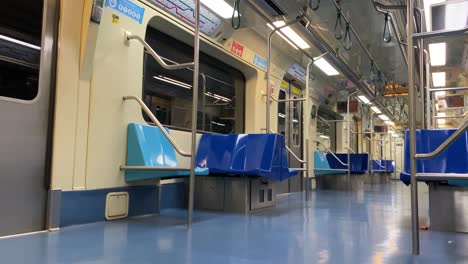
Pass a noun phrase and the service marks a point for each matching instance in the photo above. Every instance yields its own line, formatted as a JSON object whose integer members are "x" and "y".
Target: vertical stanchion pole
{"x": 268, "y": 91}
{"x": 196, "y": 72}
{"x": 348, "y": 124}
{"x": 395, "y": 155}
{"x": 428, "y": 112}
{"x": 371, "y": 144}
{"x": 421, "y": 80}
{"x": 203, "y": 100}
{"x": 391, "y": 153}
{"x": 412, "y": 130}
{"x": 306, "y": 122}
{"x": 307, "y": 169}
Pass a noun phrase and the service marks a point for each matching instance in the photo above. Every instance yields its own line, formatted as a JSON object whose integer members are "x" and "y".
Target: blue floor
{"x": 370, "y": 226}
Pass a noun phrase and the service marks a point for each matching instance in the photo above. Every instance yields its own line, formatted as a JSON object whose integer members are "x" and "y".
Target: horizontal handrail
{"x": 332, "y": 121}
{"x": 331, "y": 152}
{"x": 459, "y": 132}
{"x": 153, "y": 168}
{"x": 448, "y": 89}
{"x": 442, "y": 176}
{"x": 177, "y": 66}
{"x": 440, "y": 33}
{"x": 284, "y": 100}
{"x": 158, "y": 124}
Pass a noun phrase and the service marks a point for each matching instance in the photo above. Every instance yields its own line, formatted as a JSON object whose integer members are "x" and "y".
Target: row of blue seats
{"x": 261, "y": 155}
{"x": 453, "y": 160}
{"x": 328, "y": 164}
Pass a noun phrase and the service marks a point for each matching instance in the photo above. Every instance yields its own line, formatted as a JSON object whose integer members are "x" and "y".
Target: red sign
{"x": 237, "y": 48}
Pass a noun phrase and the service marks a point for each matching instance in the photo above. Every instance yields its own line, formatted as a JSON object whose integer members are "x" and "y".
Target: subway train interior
{"x": 234, "y": 131}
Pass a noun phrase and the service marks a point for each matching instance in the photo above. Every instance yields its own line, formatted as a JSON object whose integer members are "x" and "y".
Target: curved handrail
{"x": 331, "y": 152}
{"x": 129, "y": 36}
{"x": 351, "y": 150}
{"x": 294, "y": 155}
{"x": 449, "y": 141}
{"x": 158, "y": 124}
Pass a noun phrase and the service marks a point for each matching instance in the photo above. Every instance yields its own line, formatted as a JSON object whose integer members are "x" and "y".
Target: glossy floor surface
{"x": 368, "y": 226}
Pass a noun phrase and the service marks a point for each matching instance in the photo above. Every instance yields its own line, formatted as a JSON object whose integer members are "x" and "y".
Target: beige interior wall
{"x": 91, "y": 118}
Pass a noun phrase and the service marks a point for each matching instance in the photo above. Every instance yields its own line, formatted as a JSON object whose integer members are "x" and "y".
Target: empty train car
{"x": 233, "y": 131}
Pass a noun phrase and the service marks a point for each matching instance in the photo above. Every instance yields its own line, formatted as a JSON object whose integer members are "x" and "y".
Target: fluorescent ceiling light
{"x": 323, "y": 136}
{"x": 390, "y": 123}
{"x": 19, "y": 42}
{"x": 363, "y": 99}
{"x": 297, "y": 41}
{"x": 173, "y": 81}
{"x": 438, "y": 79}
{"x": 437, "y": 53}
{"x": 218, "y": 97}
{"x": 326, "y": 67}
{"x": 376, "y": 109}
{"x": 384, "y": 118}
{"x": 220, "y": 7}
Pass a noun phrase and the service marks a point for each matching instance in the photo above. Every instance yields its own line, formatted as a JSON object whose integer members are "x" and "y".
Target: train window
{"x": 296, "y": 123}
{"x": 326, "y": 127}
{"x": 169, "y": 93}
{"x": 282, "y": 113}
{"x": 20, "y": 41}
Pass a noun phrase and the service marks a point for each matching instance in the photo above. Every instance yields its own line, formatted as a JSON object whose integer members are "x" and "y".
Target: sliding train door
{"x": 27, "y": 33}
{"x": 290, "y": 125}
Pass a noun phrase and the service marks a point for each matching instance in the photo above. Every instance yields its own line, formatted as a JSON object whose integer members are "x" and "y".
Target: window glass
{"x": 20, "y": 41}
{"x": 282, "y": 113}
{"x": 168, "y": 93}
{"x": 296, "y": 123}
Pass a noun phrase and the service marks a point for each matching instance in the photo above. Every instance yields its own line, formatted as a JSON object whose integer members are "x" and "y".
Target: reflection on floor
{"x": 370, "y": 226}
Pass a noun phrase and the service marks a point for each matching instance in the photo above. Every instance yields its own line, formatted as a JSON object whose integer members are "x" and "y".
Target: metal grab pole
{"x": 421, "y": 79}
{"x": 428, "y": 93}
{"x": 203, "y": 101}
{"x": 348, "y": 124}
{"x": 307, "y": 169}
{"x": 306, "y": 124}
{"x": 268, "y": 99}
{"x": 412, "y": 130}
{"x": 371, "y": 147}
{"x": 196, "y": 72}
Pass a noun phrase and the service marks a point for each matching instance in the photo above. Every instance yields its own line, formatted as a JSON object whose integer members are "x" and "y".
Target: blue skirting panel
{"x": 88, "y": 206}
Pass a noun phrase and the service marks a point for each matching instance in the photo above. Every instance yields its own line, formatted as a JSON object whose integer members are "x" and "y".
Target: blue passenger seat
{"x": 387, "y": 166}
{"x": 453, "y": 160}
{"x": 321, "y": 166}
{"x": 147, "y": 146}
{"x": 261, "y": 155}
{"x": 359, "y": 162}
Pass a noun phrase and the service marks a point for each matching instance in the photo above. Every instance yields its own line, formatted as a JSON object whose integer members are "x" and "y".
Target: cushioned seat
{"x": 387, "y": 166}
{"x": 453, "y": 160}
{"x": 321, "y": 166}
{"x": 147, "y": 146}
{"x": 359, "y": 162}
{"x": 245, "y": 154}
